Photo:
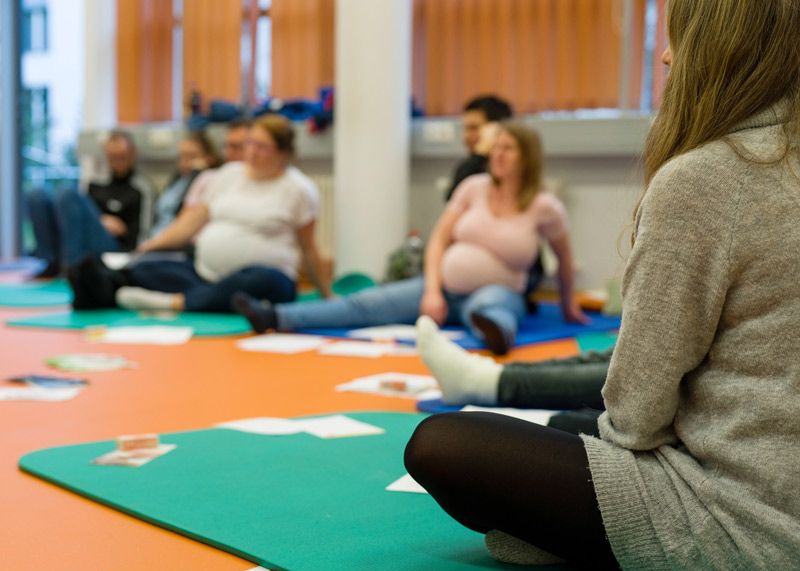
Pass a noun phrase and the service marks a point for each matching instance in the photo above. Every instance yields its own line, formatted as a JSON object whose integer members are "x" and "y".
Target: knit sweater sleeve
{"x": 674, "y": 289}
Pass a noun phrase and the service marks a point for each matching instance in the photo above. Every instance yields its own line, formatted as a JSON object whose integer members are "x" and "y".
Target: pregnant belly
{"x": 467, "y": 267}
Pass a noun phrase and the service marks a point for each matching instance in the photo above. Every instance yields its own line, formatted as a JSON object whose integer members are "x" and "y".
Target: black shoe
{"x": 50, "y": 271}
{"x": 493, "y": 336}
{"x": 93, "y": 284}
{"x": 260, "y": 314}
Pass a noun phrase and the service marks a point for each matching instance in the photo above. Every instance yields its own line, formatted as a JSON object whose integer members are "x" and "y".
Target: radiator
{"x": 325, "y": 222}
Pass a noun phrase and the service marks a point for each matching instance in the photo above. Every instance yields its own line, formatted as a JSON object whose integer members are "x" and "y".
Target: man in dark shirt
{"x": 477, "y": 113}
{"x": 112, "y": 216}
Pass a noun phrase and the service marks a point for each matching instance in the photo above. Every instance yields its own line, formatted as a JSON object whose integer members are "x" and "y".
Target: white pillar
{"x": 372, "y": 132}
{"x": 100, "y": 83}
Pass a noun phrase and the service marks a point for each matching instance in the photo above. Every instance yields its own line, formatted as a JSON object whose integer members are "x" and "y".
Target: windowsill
{"x": 590, "y": 134}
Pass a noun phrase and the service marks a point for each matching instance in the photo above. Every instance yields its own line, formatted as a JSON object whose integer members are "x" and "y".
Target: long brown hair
{"x": 530, "y": 152}
{"x": 731, "y": 59}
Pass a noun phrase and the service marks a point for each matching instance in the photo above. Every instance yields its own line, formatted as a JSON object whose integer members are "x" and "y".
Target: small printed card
{"x": 36, "y": 393}
{"x": 86, "y": 362}
{"x": 133, "y": 458}
{"x": 395, "y": 385}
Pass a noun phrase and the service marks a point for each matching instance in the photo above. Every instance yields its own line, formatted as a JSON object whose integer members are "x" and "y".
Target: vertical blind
{"x": 538, "y": 54}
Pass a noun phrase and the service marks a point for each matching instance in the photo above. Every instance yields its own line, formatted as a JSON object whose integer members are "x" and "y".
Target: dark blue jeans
{"x": 67, "y": 226}
{"x": 180, "y": 277}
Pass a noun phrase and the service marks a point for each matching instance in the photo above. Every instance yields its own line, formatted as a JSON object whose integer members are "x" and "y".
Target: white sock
{"x": 464, "y": 378}
{"x": 137, "y": 298}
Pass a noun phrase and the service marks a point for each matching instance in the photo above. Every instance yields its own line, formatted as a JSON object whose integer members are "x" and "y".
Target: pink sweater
{"x": 492, "y": 250}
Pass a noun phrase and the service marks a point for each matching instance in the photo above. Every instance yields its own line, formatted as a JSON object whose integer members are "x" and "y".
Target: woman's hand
{"x": 434, "y": 306}
{"x": 574, "y": 314}
{"x": 114, "y": 225}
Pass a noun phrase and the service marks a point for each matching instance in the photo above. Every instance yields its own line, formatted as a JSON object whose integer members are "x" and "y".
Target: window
{"x": 221, "y": 50}
{"x": 34, "y": 27}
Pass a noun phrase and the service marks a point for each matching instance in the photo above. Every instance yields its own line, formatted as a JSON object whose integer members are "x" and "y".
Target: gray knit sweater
{"x": 699, "y": 462}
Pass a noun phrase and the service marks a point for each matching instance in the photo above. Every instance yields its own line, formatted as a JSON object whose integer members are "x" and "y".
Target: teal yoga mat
{"x": 32, "y": 294}
{"x": 285, "y": 502}
{"x": 596, "y": 341}
{"x": 204, "y": 324}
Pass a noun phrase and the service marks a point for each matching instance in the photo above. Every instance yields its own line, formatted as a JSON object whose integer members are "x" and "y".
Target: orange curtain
{"x": 302, "y": 47}
{"x": 144, "y": 74}
{"x": 212, "y": 32}
{"x": 538, "y": 54}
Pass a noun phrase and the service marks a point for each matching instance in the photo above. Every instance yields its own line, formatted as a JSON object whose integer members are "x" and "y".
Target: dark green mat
{"x": 32, "y": 294}
{"x": 204, "y": 324}
{"x": 286, "y": 502}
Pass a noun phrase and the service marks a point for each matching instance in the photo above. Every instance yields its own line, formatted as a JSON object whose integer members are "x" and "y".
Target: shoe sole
{"x": 492, "y": 334}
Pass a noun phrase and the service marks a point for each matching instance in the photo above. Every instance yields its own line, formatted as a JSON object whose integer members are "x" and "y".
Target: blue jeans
{"x": 67, "y": 226}
{"x": 398, "y": 302}
{"x": 200, "y": 295}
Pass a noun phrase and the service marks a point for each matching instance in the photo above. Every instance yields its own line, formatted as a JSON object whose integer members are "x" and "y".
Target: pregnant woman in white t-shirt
{"x": 476, "y": 263}
{"x": 255, "y": 224}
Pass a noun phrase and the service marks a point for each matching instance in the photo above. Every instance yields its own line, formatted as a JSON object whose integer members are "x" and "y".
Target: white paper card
{"x": 395, "y": 333}
{"x": 145, "y": 335}
{"x": 406, "y": 484}
{"x": 356, "y": 349}
{"x": 536, "y": 416}
{"x": 282, "y": 343}
{"x": 401, "y": 351}
{"x": 264, "y": 425}
{"x": 391, "y": 384}
{"x": 39, "y": 393}
{"x": 338, "y": 426}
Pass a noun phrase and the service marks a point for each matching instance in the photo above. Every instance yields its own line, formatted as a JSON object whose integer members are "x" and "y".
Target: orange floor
{"x": 176, "y": 388}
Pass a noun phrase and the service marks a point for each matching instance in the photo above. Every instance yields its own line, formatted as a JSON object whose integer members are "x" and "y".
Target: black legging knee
{"x": 495, "y": 472}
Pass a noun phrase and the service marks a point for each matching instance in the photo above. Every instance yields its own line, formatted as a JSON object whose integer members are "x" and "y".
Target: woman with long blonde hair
{"x": 699, "y": 459}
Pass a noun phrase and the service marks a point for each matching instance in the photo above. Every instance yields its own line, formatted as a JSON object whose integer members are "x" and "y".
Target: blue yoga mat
{"x": 435, "y": 406}
{"x": 203, "y": 324}
{"x": 22, "y": 264}
{"x": 545, "y": 325}
{"x": 285, "y": 502}
{"x": 35, "y": 294}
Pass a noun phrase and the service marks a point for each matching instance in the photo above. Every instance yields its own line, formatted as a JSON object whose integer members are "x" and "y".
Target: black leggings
{"x": 558, "y": 384}
{"x": 490, "y": 471}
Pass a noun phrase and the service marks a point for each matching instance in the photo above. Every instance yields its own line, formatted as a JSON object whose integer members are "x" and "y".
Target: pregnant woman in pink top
{"x": 476, "y": 262}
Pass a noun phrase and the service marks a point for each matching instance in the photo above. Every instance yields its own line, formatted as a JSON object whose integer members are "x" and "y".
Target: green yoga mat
{"x": 47, "y": 294}
{"x": 342, "y": 286}
{"x": 596, "y": 341}
{"x": 285, "y": 502}
{"x": 204, "y": 324}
